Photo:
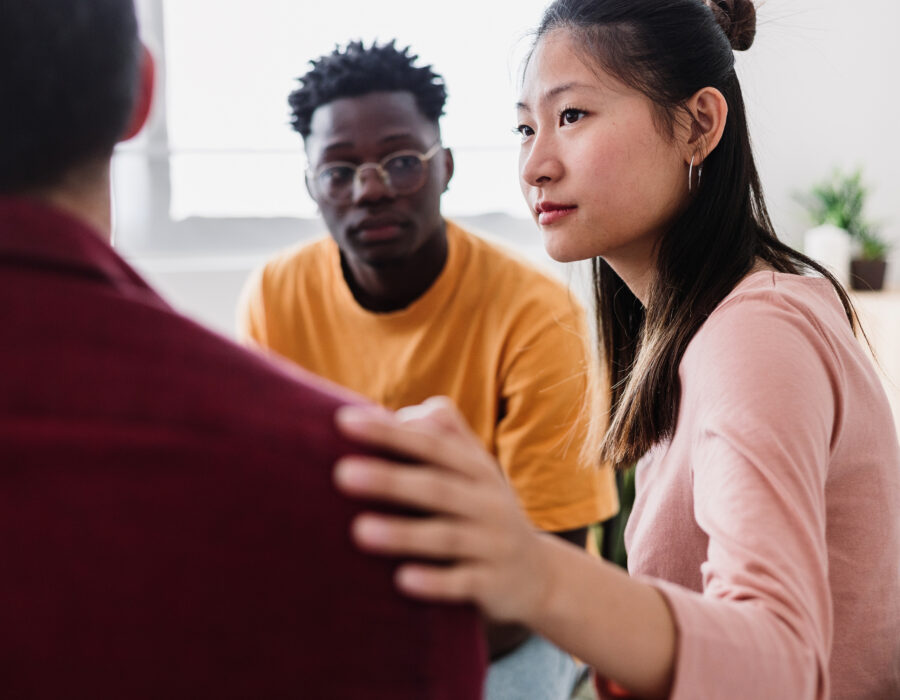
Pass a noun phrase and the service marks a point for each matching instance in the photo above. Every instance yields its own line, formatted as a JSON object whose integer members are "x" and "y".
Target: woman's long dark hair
{"x": 669, "y": 50}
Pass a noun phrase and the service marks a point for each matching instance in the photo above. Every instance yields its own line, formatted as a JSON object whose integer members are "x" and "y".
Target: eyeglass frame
{"x": 312, "y": 175}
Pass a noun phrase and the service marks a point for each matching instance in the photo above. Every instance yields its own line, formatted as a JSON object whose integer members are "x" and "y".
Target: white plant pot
{"x": 832, "y": 247}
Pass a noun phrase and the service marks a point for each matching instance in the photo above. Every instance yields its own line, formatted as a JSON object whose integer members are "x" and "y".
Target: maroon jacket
{"x": 168, "y": 526}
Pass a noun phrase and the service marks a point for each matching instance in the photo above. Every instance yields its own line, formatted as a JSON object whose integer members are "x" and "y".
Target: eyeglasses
{"x": 402, "y": 172}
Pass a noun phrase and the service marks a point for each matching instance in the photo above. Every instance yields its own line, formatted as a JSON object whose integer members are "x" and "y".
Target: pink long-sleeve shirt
{"x": 770, "y": 520}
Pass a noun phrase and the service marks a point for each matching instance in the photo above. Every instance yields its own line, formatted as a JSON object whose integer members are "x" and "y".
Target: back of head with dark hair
{"x": 669, "y": 50}
{"x": 357, "y": 70}
{"x": 68, "y": 80}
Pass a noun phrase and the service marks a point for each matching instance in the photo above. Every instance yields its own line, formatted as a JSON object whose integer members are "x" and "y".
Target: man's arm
{"x": 250, "y": 317}
{"x": 578, "y": 536}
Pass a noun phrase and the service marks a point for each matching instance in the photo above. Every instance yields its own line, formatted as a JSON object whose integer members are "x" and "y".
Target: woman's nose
{"x": 540, "y": 163}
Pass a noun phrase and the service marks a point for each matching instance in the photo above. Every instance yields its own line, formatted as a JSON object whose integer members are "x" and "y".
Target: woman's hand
{"x": 489, "y": 552}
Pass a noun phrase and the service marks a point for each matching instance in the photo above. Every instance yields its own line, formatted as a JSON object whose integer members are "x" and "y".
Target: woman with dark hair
{"x": 764, "y": 544}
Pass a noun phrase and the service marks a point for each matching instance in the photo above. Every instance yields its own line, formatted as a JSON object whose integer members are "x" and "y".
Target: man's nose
{"x": 370, "y": 184}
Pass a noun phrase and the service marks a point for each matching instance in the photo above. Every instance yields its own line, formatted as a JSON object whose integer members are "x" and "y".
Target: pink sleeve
{"x": 761, "y": 400}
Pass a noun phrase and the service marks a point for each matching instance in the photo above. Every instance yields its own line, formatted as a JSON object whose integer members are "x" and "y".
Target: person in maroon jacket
{"x": 168, "y": 523}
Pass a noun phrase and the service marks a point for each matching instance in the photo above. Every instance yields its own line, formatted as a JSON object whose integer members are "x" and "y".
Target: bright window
{"x": 232, "y": 63}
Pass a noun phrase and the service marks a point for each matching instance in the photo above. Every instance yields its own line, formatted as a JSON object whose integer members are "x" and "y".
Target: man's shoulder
{"x": 304, "y": 251}
{"x": 124, "y": 358}
{"x": 311, "y": 257}
{"x": 505, "y": 273}
{"x": 220, "y": 462}
{"x": 259, "y": 394}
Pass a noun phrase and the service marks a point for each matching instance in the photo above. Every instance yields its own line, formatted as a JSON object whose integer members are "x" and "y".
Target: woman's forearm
{"x": 621, "y": 627}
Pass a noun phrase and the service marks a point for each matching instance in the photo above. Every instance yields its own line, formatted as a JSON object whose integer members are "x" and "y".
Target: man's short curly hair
{"x": 357, "y": 70}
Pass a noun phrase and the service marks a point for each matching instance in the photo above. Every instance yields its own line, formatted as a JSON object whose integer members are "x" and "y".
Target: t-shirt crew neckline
{"x": 423, "y": 306}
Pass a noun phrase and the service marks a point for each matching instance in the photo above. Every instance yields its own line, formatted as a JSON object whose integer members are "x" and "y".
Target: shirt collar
{"x": 33, "y": 233}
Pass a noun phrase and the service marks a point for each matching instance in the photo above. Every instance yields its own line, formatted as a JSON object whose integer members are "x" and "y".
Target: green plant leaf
{"x": 840, "y": 200}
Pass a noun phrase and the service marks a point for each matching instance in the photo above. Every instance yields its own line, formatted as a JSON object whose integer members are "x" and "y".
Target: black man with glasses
{"x": 399, "y": 304}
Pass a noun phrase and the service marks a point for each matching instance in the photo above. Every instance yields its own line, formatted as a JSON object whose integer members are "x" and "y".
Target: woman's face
{"x": 599, "y": 177}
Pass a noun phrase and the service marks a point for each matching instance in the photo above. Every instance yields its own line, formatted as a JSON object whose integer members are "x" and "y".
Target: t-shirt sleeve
{"x": 539, "y": 440}
{"x": 251, "y": 312}
{"x": 761, "y": 399}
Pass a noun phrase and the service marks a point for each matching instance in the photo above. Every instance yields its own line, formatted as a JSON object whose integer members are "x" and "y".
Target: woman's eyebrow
{"x": 551, "y": 93}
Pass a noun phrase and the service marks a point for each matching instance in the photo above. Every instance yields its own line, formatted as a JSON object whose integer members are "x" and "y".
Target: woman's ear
{"x": 144, "y": 100}
{"x": 709, "y": 112}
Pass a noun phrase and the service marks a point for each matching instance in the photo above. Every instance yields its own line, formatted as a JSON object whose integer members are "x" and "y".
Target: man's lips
{"x": 551, "y": 212}
{"x": 378, "y": 229}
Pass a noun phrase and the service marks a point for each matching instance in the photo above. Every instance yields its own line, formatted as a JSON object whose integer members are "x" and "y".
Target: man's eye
{"x": 571, "y": 115}
{"x": 403, "y": 163}
{"x": 337, "y": 174}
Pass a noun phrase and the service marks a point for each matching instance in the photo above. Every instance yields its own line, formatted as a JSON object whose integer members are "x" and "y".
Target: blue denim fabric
{"x": 537, "y": 670}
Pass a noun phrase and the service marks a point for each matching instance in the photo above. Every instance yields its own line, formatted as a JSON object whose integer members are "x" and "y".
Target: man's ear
{"x": 709, "y": 112}
{"x": 448, "y": 168}
{"x": 309, "y": 189}
{"x": 144, "y": 100}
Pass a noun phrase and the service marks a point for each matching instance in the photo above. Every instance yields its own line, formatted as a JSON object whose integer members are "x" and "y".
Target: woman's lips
{"x": 548, "y": 215}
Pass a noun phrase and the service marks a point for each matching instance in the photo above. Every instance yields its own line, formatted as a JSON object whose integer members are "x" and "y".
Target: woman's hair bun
{"x": 737, "y": 19}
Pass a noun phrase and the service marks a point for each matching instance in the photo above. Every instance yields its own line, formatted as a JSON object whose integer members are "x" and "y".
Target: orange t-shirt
{"x": 503, "y": 340}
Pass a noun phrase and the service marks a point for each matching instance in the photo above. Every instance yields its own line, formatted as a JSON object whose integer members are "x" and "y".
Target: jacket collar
{"x": 34, "y": 234}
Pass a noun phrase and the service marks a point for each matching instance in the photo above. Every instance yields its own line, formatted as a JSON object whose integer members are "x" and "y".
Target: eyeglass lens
{"x": 404, "y": 174}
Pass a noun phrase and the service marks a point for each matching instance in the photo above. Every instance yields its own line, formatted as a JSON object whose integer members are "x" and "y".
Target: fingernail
{"x": 348, "y": 473}
{"x": 349, "y": 415}
{"x": 368, "y": 529}
{"x": 408, "y": 579}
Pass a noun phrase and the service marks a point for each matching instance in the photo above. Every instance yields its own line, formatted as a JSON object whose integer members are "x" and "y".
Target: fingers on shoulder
{"x": 432, "y": 582}
{"x": 441, "y": 539}
{"x": 416, "y": 486}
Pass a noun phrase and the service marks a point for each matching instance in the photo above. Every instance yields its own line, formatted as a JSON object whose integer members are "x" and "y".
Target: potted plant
{"x": 867, "y": 269}
{"x": 837, "y": 205}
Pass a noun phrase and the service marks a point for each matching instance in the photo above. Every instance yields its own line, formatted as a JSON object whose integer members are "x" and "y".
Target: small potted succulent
{"x": 837, "y": 205}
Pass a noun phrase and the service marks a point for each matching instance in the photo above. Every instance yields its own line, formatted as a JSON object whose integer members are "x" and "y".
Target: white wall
{"x": 821, "y": 86}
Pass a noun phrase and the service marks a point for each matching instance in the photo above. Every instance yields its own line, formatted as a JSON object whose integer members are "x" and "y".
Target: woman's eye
{"x": 571, "y": 115}
{"x": 524, "y": 130}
